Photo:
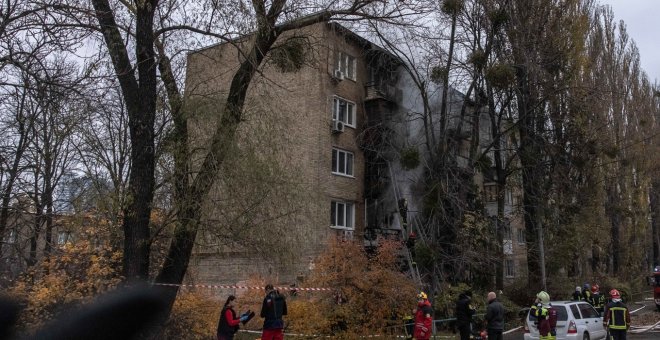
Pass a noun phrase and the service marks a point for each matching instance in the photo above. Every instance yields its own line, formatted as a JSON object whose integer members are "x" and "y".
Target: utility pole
{"x": 539, "y": 225}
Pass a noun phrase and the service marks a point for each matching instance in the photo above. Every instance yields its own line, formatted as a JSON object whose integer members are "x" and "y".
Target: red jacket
{"x": 423, "y": 324}
{"x": 228, "y": 324}
{"x": 547, "y": 320}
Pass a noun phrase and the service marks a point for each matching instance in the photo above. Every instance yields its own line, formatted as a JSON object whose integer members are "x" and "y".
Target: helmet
{"x": 595, "y": 288}
{"x": 586, "y": 285}
{"x": 578, "y": 289}
{"x": 615, "y": 294}
{"x": 543, "y": 297}
{"x": 422, "y": 295}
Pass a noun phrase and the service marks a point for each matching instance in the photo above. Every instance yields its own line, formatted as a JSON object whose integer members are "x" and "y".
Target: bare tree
{"x": 104, "y": 149}
{"x": 54, "y": 108}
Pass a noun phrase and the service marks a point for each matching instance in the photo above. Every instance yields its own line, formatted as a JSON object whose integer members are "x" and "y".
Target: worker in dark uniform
{"x": 617, "y": 317}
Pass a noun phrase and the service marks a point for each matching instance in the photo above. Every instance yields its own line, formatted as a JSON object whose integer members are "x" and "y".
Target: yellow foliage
{"x": 74, "y": 273}
{"x": 374, "y": 295}
{"x": 194, "y": 315}
{"x": 372, "y": 290}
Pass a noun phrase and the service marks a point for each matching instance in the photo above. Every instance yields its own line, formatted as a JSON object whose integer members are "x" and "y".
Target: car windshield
{"x": 562, "y": 314}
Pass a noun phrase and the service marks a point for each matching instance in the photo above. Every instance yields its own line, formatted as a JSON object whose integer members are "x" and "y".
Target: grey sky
{"x": 641, "y": 17}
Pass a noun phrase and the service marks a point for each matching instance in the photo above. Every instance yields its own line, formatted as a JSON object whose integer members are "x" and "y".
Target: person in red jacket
{"x": 228, "y": 324}
{"x": 423, "y": 318}
{"x": 546, "y": 317}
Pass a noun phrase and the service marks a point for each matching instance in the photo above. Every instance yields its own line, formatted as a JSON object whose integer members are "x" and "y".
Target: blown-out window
{"x": 346, "y": 64}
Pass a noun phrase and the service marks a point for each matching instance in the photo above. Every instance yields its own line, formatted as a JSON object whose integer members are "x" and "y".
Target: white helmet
{"x": 544, "y": 298}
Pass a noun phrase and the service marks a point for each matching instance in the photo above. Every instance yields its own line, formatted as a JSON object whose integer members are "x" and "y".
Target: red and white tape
{"x": 242, "y": 287}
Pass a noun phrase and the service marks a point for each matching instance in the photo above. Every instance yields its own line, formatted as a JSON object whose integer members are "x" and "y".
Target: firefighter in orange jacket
{"x": 423, "y": 318}
{"x": 617, "y": 317}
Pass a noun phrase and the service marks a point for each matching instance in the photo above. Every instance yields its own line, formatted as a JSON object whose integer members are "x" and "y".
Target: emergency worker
{"x": 408, "y": 326}
{"x": 423, "y": 318}
{"x": 597, "y": 299}
{"x": 410, "y": 244}
{"x": 577, "y": 294}
{"x": 586, "y": 292}
{"x": 546, "y": 316}
{"x": 617, "y": 317}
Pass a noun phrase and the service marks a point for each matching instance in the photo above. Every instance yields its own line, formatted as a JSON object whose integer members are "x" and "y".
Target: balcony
{"x": 375, "y": 91}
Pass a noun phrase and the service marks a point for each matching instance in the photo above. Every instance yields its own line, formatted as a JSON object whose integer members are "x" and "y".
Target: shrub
{"x": 194, "y": 315}
{"x": 409, "y": 158}
{"x": 74, "y": 273}
{"x": 372, "y": 290}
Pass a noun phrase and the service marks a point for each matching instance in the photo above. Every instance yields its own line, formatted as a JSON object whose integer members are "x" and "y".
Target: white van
{"x": 576, "y": 320}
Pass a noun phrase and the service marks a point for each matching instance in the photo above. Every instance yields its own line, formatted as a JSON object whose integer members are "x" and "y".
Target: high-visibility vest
{"x": 618, "y": 317}
{"x": 598, "y": 300}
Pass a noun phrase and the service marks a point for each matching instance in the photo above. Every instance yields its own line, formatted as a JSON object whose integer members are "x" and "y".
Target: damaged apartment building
{"x": 311, "y": 162}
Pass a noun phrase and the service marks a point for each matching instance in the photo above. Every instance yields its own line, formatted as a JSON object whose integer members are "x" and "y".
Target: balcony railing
{"x": 381, "y": 91}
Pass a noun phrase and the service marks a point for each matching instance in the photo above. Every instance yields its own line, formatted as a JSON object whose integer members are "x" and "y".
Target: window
{"x": 508, "y": 235}
{"x": 575, "y": 312}
{"x": 588, "y": 312}
{"x": 342, "y": 162}
{"x": 509, "y": 268}
{"x": 508, "y": 197}
{"x": 521, "y": 235}
{"x": 342, "y": 215}
{"x": 11, "y": 238}
{"x": 343, "y": 111}
{"x": 507, "y": 247}
{"x": 346, "y": 64}
{"x": 490, "y": 193}
{"x": 62, "y": 238}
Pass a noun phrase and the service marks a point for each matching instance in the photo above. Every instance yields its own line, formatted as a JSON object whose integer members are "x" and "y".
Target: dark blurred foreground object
{"x": 8, "y": 315}
{"x": 128, "y": 313}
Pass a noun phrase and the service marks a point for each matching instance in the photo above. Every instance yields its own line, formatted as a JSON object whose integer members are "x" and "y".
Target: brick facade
{"x": 292, "y": 111}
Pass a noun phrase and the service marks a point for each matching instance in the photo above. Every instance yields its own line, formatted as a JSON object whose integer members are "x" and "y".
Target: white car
{"x": 576, "y": 320}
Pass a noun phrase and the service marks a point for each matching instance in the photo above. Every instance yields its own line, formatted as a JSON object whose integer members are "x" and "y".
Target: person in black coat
{"x": 464, "y": 313}
{"x": 228, "y": 323}
{"x": 272, "y": 310}
{"x": 494, "y": 317}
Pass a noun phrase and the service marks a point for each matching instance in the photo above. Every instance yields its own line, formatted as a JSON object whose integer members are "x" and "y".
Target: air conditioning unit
{"x": 347, "y": 235}
{"x": 338, "y": 74}
{"x": 337, "y": 126}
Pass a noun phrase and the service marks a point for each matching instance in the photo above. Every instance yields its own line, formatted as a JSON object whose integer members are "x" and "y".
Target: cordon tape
{"x": 241, "y": 287}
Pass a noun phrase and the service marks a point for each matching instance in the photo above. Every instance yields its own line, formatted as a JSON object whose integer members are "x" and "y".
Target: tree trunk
{"x": 655, "y": 220}
{"x": 615, "y": 226}
{"x": 140, "y": 101}
{"x": 13, "y": 172}
{"x": 530, "y": 152}
{"x": 180, "y": 250}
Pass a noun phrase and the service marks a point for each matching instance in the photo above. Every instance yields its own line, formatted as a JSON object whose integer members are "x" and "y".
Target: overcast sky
{"x": 641, "y": 18}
